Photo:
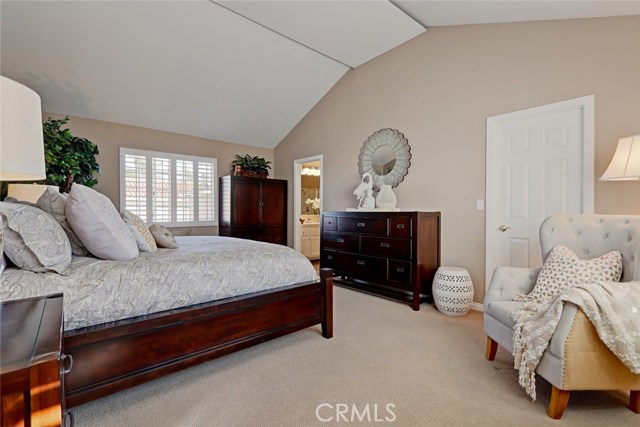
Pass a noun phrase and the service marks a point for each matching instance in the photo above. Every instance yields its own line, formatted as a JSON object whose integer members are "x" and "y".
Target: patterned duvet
{"x": 202, "y": 269}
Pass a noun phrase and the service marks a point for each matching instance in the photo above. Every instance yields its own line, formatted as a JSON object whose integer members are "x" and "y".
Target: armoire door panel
{"x": 246, "y": 211}
{"x": 273, "y": 202}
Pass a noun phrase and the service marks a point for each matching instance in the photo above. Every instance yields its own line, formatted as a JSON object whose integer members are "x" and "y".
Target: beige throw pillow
{"x": 144, "y": 238}
{"x": 53, "y": 203}
{"x": 33, "y": 240}
{"x": 163, "y": 236}
{"x": 563, "y": 269}
{"x": 98, "y": 224}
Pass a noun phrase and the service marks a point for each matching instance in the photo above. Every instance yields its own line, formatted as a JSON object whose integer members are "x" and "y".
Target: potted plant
{"x": 68, "y": 158}
{"x": 251, "y": 166}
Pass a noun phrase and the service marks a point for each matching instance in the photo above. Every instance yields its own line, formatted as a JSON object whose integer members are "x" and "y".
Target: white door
{"x": 539, "y": 162}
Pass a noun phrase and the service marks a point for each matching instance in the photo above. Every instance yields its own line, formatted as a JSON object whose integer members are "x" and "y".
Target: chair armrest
{"x": 507, "y": 281}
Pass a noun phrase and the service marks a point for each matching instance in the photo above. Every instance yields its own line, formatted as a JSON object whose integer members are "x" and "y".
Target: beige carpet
{"x": 429, "y": 366}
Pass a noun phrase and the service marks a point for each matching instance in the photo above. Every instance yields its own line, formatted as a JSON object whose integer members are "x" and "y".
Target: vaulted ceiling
{"x": 237, "y": 71}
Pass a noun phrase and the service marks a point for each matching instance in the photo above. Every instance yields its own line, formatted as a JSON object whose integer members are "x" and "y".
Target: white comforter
{"x": 202, "y": 269}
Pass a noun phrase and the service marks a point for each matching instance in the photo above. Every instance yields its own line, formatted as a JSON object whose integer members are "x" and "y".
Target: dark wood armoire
{"x": 253, "y": 208}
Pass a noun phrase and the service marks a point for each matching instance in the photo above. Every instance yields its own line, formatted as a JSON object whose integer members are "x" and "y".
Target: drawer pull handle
{"x": 400, "y": 226}
{"x": 340, "y": 240}
{"x": 361, "y": 224}
{"x": 360, "y": 262}
{"x": 400, "y": 270}
{"x": 384, "y": 245}
{"x": 65, "y": 369}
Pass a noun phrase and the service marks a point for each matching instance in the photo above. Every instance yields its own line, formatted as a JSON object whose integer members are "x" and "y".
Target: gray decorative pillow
{"x": 163, "y": 236}
{"x": 98, "y": 225}
{"x": 144, "y": 238}
{"x": 33, "y": 240}
{"x": 563, "y": 269}
{"x": 3, "y": 262}
{"x": 53, "y": 202}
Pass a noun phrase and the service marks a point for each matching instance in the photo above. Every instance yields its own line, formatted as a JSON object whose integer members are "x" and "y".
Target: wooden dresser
{"x": 253, "y": 208}
{"x": 391, "y": 254}
{"x": 31, "y": 370}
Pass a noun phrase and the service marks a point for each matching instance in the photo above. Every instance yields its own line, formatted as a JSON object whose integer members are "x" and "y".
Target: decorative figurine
{"x": 364, "y": 193}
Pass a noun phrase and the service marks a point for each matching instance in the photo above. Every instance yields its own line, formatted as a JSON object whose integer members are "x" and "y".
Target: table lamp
{"x": 21, "y": 141}
{"x": 625, "y": 165}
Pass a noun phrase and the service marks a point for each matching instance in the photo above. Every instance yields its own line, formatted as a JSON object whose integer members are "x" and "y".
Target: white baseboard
{"x": 477, "y": 306}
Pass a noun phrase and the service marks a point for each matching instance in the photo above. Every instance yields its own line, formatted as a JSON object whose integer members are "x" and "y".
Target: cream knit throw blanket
{"x": 613, "y": 308}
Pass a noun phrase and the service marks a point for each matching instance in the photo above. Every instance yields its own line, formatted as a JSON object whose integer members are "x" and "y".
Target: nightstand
{"x": 30, "y": 361}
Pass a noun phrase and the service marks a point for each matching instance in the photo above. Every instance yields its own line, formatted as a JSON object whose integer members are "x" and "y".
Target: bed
{"x": 212, "y": 296}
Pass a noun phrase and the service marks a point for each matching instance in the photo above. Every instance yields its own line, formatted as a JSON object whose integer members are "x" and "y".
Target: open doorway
{"x": 307, "y": 205}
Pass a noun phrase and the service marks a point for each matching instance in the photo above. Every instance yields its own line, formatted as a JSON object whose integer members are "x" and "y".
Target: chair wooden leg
{"x": 559, "y": 401}
{"x": 634, "y": 401}
{"x": 492, "y": 348}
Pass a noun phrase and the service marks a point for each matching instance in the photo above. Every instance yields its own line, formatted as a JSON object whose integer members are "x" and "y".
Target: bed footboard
{"x": 115, "y": 356}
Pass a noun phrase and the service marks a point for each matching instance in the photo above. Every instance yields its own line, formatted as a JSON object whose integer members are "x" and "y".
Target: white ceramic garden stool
{"x": 453, "y": 290}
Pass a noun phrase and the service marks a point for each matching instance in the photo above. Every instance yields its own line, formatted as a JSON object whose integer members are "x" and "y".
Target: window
{"x": 168, "y": 189}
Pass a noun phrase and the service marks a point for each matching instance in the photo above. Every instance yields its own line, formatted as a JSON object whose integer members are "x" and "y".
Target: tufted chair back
{"x": 592, "y": 235}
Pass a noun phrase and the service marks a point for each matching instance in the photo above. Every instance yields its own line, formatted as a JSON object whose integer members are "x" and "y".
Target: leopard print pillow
{"x": 564, "y": 269}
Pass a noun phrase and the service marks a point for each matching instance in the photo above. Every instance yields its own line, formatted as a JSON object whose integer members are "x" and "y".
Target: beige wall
{"x": 109, "y": 137}
{"x": 439, "y": 88}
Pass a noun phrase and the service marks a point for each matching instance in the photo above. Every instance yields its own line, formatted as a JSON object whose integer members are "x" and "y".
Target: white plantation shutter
{"x": 206, "y": 179}
{"x": 161, "y": 193}
{"x": 169, "y": 189}
{"x": 184, "y": 191}
{"x": 135, "y": 169}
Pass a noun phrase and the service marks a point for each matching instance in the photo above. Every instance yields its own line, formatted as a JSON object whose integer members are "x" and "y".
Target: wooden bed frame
{"x": 115, "y": 356}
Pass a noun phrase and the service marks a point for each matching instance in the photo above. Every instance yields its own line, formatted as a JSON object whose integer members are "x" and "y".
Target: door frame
{"x": 297, "y": 188}
{"x": 586, "y": 105}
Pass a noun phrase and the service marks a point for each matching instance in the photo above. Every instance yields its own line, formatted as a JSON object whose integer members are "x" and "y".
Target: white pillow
{"x": 143, "y": 236}
{"x": 97, "y": 223}
{"x": 33, "y": 240}
{"x": 53, "y": 203}
{"x": 563, "y": 269}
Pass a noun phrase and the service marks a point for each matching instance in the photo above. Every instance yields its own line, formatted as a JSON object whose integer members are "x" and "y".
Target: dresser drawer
{"x": 329, "y": 223}
{"x": 386, "y": 247}
{"x": 362, "y": 267}
{"x": 400, "y": 226}
{"x": 363, "y": 225}
{"x": 400, "y": 274}
{"x": 344, "y": 242}
{"x": 328, "y": 259}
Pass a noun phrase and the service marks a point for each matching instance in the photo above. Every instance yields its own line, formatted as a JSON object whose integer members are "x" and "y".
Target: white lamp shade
{"x": 21, "y": 141}
{"x": 625, "y": 165}
{"x": 28, "y": 192}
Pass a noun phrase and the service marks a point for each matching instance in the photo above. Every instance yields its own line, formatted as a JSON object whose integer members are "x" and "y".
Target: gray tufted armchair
{"x": 576, "y": 359}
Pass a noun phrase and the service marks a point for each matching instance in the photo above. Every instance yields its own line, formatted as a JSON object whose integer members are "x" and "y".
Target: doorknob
{"x": 503, "y": 228}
